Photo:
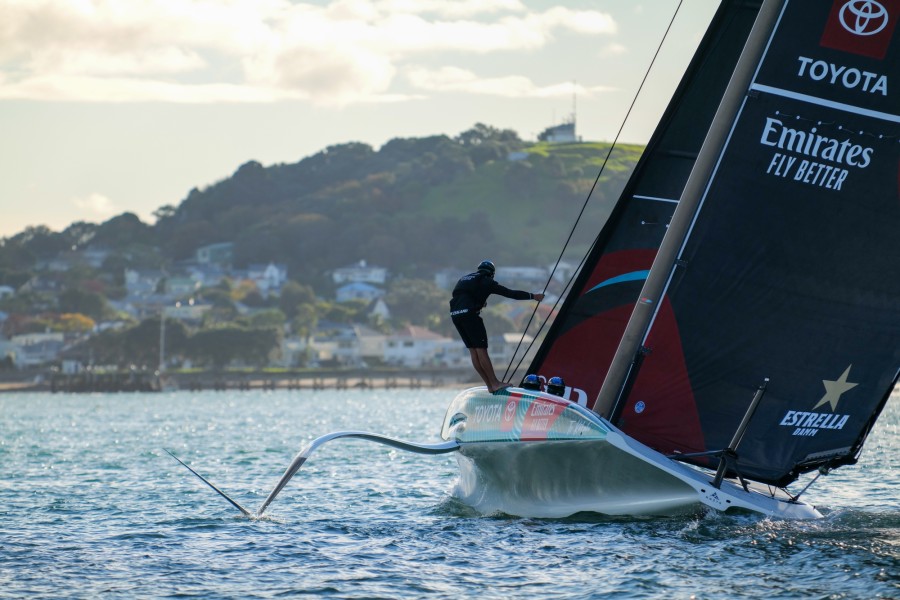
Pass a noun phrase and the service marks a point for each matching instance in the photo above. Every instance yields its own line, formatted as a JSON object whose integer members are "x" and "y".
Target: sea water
{"x": 92, "y": 506}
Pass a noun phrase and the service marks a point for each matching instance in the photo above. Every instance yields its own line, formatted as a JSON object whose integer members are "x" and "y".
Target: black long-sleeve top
{"x": 472, "y": 290}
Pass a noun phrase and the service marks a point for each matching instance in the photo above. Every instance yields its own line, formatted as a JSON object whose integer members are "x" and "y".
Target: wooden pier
{"x": 145, "y": 381}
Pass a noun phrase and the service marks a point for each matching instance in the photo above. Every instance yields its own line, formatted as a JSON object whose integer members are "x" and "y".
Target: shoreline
{"x": 114, "y": 382}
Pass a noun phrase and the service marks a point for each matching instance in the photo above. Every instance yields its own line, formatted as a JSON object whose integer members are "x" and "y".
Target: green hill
{"x": 414, "y": 205}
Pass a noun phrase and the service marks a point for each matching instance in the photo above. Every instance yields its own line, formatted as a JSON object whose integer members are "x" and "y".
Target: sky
{"x": 112, "y": 106}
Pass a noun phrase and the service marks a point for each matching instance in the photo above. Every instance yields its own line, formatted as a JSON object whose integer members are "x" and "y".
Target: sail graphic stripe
{"x": 856, "y": 110}
{"x": 633, "y": 276}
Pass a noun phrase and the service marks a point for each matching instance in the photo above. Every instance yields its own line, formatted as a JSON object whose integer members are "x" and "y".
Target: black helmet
{"x": 487, "y": 268}
{"x": 556, "y": 386}
{"x": 531, "y": 382}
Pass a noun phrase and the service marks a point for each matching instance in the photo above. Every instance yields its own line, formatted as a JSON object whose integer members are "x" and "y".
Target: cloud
{"x": 613, "y": 49}
{"x": 453, "y": 79}
{"x": 96, "y": 204}
{"x": 456, "y": 9}
{"x": 336, "y": 53}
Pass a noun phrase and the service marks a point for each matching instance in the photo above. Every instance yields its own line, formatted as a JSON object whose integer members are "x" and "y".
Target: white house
{"x": 181, "y": 286}
{"x": 564, "y": 133}
{"x": 187, "y": 311}
{"x": 413, "y": 346}
{"x": 379, "y": 310}
{"x": 371, "y": 342}
{"x": 361, "y": 273}
{"x": 341, "y": 346}
{"x": 268, "y": 278}
{"x": 293, "y": 351}
{"x": 6, "y": 292}
{"x": 447, "y": 278}
{"x": 503, "y": 346}
{"x": 37, "y": 348}
{"x": 522, "y": 277}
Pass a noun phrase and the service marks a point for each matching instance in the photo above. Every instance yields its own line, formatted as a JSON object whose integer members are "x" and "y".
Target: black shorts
{"x": 471, "y": 330}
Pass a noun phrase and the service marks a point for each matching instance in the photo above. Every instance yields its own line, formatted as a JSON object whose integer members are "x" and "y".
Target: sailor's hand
{"x": 538, "y": 297}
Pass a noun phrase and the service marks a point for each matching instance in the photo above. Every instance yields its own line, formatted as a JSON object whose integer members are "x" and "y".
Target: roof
{"x": 417, "y": 333}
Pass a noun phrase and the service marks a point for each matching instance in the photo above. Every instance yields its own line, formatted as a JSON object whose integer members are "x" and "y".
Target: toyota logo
{"x": 510, "y": 411}
{"x": 863, "y": 17}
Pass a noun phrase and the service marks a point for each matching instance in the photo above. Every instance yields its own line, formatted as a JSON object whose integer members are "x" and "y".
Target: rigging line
{"x": 596, "y": 181}
{"x": 545, "y": 321}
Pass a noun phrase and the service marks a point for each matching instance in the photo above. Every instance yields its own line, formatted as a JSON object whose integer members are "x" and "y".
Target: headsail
{"x": 585, "y": 335}
{"x": 789, "y": 272}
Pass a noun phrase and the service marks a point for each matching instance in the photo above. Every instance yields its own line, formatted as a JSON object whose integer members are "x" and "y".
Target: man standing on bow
{"x": 469, "y": 297}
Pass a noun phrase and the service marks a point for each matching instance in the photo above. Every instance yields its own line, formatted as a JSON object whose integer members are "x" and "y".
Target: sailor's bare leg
{"x": 482, "y": 363}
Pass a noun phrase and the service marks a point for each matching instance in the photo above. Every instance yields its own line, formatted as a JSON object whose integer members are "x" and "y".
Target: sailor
{"x": 556, "y": 386}
{"x": 531, "y": 382}
{"x": 469, "y": 297}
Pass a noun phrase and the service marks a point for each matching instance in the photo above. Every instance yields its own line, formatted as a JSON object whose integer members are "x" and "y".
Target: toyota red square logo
{"x": 861, "y": 26}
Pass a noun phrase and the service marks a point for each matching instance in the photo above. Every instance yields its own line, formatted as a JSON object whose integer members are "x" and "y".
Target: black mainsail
{"x": 584, "y": 336}
{"x": 788, "y": 276}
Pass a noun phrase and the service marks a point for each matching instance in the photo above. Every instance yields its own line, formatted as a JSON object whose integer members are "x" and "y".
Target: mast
{"x": 651, "y": 294}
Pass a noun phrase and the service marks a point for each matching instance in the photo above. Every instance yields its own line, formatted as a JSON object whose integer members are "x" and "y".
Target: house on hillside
{"x": 507, "y": 346}
{"x": 95, "y": 256}
{"x": 358, "y": 291}
{"x": 413, "y": 346}
{"x": 447, "y": 278}
{"x": 378, "y": 310}
{"x": 293, "y": 352}
{"x": 525, "y": 278}
{"x": 504, "y": 348}
{"x": 336, "y": 345}
{"x": 190, "y": 312}
{"x": 178, "y": 287}
{"x": 360, "y": 272}
{"x": 35, "y": 349}
{"x": 6, "y": 292}
{"x": 268, "y": 277}
{"x": 560, "y": 134}
{"x": 371, "y": 342}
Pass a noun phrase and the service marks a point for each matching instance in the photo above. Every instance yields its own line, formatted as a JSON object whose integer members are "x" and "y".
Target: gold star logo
{"x": 834, "y": 389}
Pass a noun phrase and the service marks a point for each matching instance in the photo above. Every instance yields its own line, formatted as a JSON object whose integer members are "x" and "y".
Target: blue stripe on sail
{"x": 633, "y": 276}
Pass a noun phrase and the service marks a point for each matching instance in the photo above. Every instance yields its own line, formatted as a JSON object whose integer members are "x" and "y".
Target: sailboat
{"x": 736, "y": 324}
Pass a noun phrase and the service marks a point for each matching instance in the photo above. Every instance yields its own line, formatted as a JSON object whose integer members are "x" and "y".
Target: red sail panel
{"x": 661, "y": 411}
{"x": 582, "y": 353}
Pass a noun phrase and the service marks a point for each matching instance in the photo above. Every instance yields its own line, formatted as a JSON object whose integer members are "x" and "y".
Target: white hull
{"x": 556, "y": 479}
{"x": 581, "y": 464}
